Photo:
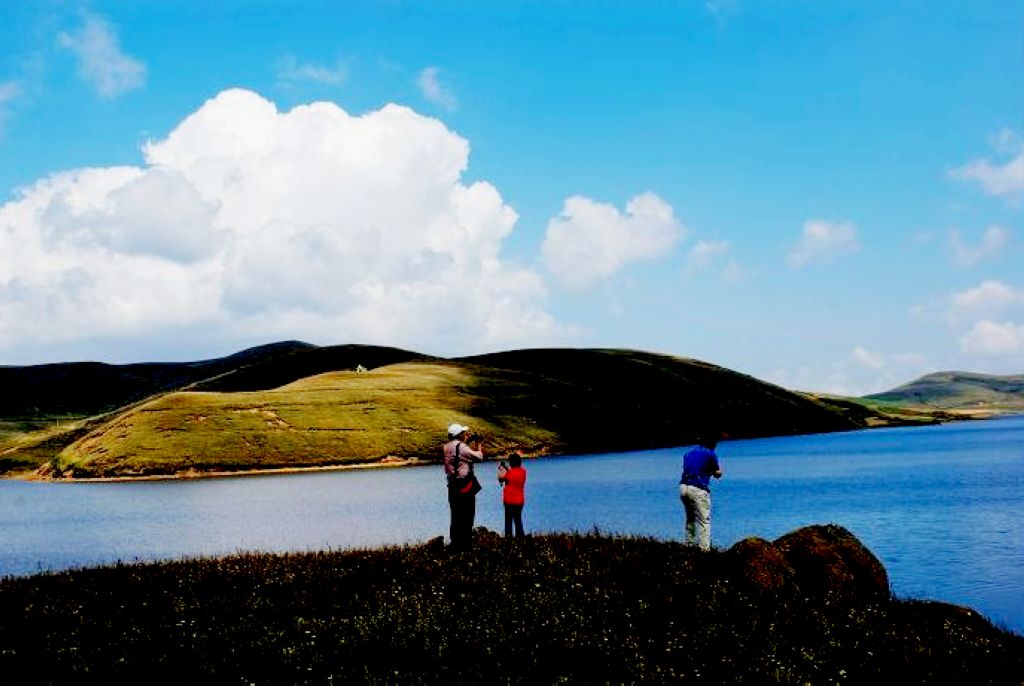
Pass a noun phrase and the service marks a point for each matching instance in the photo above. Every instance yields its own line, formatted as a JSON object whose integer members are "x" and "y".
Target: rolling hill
{"x": 961, "y": 391}
{"x": 296, "y": 405}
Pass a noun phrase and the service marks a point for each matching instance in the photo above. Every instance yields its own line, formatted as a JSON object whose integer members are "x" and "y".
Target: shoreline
{"x": 392, "y": 461}
{"x": 385, "y": 463}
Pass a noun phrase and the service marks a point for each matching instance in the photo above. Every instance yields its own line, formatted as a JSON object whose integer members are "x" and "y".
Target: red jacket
{"x": 514, "y": 492}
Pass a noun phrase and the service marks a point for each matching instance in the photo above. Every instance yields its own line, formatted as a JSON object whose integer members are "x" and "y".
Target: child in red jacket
{"x": 513, "y": 477}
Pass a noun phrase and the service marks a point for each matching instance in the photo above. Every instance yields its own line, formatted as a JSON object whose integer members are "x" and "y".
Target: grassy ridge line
{"x": 575, "y": 609}
{"x": 83, "y": 389}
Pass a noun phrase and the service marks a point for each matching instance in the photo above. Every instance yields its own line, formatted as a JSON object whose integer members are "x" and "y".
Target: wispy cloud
{"x": 822, "y": 241}
{"x": 868, "y": 359}
{"x": 992, "y": 244}
{"x": 721, "y": 9}
{"x": 994, "y": 339}
{"x": 703, "y": 255}
{"x": 1002, "y": 176}
{"x": 9, "y": 92}
{"x": 291, "y": 71}
{"x": 707, "y": 255}
{"x": 987, "y": 299}
{"x": 860, "y": 372}
{"x": 430, "y": 86}
{"x": 101, "y": 62}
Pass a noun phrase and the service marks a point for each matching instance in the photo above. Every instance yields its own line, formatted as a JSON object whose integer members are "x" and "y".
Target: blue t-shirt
{"x": 699, "y": 464}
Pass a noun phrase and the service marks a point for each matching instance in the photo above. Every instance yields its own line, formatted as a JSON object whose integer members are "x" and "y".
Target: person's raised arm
{"x": 469, "y": 452}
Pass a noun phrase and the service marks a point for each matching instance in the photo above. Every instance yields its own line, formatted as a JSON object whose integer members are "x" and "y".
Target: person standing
{"x": 513, "y": 495}
{"x": 700, "y": 463}
{"x": 463, "y": 486}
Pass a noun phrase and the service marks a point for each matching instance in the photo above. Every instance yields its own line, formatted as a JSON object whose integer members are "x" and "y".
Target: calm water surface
{"x": 942, "y": 506}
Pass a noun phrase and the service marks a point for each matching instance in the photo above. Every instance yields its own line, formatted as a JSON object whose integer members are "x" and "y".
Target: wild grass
{"x": 574, "y": 609}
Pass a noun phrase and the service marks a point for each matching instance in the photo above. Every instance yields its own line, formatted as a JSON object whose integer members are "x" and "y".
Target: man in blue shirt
{"x": 700, "y": 463}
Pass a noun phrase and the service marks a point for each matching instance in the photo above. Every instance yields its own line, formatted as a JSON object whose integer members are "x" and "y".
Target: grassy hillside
{"x": 561, "y": 609}
{"x": 296, "y": 405}
{"x": 45, "y": 408}
{"x": 963, "y": 391}
{"x": 540, "y": 402}
{"x": 329, "y": 419}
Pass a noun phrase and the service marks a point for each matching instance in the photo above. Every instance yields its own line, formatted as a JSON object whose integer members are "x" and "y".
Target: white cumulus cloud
{"x": 429, "y": 82}
{"x": 1003, "y": 176}
{"x": 996, "y": 238}
{"x": 590, "y": 241}
{"x": 252, "y": 223}
{"x": 822, "y": 241}
{"x": 101, "y": 62}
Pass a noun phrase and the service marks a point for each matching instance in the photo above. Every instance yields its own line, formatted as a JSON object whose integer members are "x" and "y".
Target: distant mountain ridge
{"x": 89, "y": 388}
{"x": 963, "y": 391}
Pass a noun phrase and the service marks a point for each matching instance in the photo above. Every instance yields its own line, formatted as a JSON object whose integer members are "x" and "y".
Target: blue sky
{"x": 825, "y": 195}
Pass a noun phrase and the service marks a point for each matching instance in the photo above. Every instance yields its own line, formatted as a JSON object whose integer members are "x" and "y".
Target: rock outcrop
{"x": 822, "y": 560}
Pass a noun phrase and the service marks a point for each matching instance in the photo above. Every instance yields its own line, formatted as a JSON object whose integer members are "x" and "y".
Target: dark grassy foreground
{"x": 559, "y": 609}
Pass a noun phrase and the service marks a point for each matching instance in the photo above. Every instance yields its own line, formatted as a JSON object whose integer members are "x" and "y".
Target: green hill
{"x": 962, "y": 391}
{"x": 293, "y": 405}
{"x": 46, "y": 407}
{"x": 536, "y": 401}
{"x": 335, "y": 418}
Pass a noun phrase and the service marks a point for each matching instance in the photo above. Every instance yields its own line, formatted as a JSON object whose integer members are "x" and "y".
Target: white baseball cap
{"x": 456, "y": 430}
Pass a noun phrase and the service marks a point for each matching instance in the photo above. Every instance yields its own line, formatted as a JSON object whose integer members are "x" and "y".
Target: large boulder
{"x": 829, "y": 560}
{"x": 758, "y": 564}
{"x": 821, "y": 561}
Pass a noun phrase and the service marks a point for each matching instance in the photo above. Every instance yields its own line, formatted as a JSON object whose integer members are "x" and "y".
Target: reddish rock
{"x": 829, "y": 560}
{"x": 760, "y": 565}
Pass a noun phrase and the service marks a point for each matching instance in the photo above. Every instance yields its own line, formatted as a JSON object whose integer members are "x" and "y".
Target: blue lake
{"x": 941, "y": 506}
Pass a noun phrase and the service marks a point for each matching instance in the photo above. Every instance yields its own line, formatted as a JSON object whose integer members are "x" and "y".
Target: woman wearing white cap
{"x": 462, "y": 485}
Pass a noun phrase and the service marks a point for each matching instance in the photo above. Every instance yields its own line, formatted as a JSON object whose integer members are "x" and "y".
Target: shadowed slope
{"x": 630, "y": 399}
